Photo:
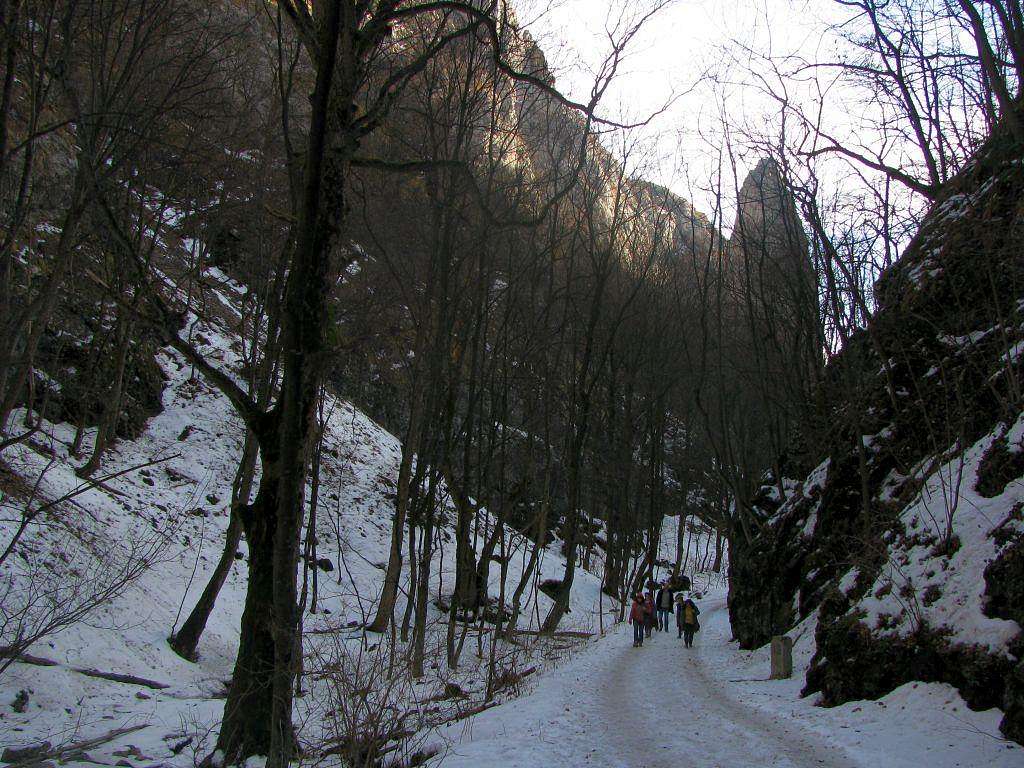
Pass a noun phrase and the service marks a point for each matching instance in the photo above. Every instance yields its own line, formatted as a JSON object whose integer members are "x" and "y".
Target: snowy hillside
{"x": 165, "y": 523}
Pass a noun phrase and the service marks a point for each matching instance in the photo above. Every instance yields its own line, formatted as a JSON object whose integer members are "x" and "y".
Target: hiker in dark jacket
{"x": 649, "y": 609}
{"x": 686, "y": 618}
{"x": 663, "y": 603}
{"x": 638, "y": 618}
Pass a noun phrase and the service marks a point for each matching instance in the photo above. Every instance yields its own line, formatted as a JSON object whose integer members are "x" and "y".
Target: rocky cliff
{"x": 907, "y": 539}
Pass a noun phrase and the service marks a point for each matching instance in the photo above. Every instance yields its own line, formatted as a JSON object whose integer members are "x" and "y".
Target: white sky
{"x": 681, "y": 43}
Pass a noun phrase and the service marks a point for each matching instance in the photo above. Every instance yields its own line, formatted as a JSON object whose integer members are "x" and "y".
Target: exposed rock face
{"x": 908, "y": 536}
{"x": 693, "y": 235}
{"x": 767, "y": 226}
{"x": 777, "y": 279}
{"x": 761, "y": 598}
{"x": 83, "y": 374}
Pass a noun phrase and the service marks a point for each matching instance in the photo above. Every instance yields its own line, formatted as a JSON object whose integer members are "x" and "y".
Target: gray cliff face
{"x": 767, "y": 224}
{"x": 693, "y": 234}
{"x": 767, "y": 234}
{"x": 769, "y": 243}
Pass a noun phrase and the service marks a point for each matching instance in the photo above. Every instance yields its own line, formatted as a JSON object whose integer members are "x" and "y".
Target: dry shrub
{"x": 367, "y": 705}
{"x": 45, "y": 592}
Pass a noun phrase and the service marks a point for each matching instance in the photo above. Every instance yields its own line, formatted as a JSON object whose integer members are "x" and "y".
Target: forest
{"x": 353, "y": 366}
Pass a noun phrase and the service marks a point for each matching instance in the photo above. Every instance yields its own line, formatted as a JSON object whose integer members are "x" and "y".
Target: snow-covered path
{"x": 664, "y": 706}
{"x": 659, "y": 706}
{"x": 709, "y": 707}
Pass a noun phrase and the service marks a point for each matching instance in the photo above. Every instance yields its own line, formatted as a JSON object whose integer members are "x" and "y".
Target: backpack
{"x": 689, "y": 617}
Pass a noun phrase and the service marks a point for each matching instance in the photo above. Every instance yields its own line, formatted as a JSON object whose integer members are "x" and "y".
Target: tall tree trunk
{"x": 540, "y": 540}
{"x": 680, "y": 531}
{"x": 410, "y": 597}
{"x": 393, "y": 573}
{"x": 561, "y": 603}
{"x": 106, "y": 429}
{"x": 560, "y": 606}
{"x": 245, "y": 729}
{"x": 483, "y": 565}
{"x": 527, "y": 576}
{"x": 419, "y": 632}
{"x": 271, "y": 599}
{"x": 612, "y": 583}
{"x": 466, "y": 590}
{"x": 185, "y": 641}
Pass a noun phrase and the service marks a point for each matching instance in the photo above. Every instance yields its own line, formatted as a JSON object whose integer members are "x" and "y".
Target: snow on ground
{"x": 610, "y": 705}
{"x": 177, "y": 512}
{"x": 948, "y": 593}
{"x": 713, "y": 707}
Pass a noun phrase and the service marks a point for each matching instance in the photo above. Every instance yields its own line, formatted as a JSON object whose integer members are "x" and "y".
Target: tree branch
{"x": 927, "y": 190}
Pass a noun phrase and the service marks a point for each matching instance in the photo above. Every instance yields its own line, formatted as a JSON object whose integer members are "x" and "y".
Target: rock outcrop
{"x": 908, "y": 536}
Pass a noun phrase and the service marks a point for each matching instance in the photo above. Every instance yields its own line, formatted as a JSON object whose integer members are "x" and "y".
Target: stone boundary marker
{"x": 782, "y": 657}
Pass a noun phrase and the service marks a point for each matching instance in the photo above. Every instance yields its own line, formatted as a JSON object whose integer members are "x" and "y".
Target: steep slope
{"x": 907, "y": 536}
{"x": 165, "y": 523}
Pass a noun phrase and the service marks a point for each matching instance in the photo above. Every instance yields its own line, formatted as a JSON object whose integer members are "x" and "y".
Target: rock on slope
{"x": 908, "y": 536}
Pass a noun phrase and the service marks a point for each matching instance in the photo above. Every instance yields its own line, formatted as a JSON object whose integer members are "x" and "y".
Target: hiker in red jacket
{"x": 649, "y": 610}
{"x": 638, "y": 618}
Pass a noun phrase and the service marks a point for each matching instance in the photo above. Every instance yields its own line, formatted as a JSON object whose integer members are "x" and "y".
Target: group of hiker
{"x": 652, "y": 611}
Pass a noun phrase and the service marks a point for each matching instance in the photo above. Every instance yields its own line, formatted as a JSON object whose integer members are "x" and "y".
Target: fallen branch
{"x": 332, "y": 630}
{"x": 513, "y": 679}
{"x": 471, "y": 711}
{"x": 565, "y": 633}
{"x": 561, "y": 633}
{"x": 116, "y": 677}
{"x": 121, "y": 678}
{"x": 25, "y": 658}
{"x": 69, "y": 751}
